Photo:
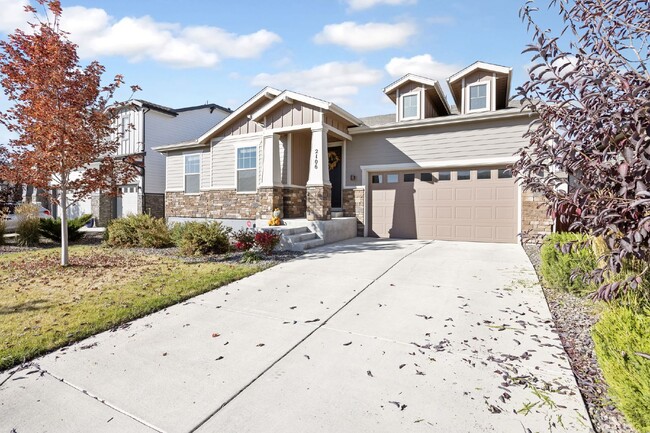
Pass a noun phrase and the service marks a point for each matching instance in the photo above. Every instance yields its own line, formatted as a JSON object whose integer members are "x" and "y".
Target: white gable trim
{"x": 410, "y": 77}
{"x": 479, "y": 65}
{"x": 267, "y": 92}
{"x": 289, "y": 97}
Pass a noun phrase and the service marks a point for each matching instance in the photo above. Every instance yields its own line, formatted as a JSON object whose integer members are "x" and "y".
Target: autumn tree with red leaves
{"x": 63, "y": 116}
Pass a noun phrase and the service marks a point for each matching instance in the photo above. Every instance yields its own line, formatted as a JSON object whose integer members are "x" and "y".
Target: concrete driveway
{"x": 359, "y": 336}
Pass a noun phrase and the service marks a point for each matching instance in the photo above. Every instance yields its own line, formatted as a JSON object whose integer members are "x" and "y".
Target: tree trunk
{"x": 64, "y": 227}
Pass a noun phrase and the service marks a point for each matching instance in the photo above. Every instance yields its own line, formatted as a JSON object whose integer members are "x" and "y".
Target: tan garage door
{"x": 460, "y": 205}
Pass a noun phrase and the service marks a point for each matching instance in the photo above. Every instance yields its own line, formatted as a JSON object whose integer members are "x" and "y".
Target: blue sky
{"x": 345, "y": 51}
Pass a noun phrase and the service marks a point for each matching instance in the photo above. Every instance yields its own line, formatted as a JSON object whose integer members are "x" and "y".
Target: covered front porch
{"x": 302, "y": 161}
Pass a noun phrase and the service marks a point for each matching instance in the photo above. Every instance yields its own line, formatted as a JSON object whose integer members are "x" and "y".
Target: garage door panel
{"x": 463, "y": 212}
{"x": 484, "y": 193}
{"x": 475, "y": 209}
{"x": 484, "y": 212}
{"x": 464, "y": 194}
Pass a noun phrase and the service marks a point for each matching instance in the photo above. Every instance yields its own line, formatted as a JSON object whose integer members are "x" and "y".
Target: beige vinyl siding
{"x": 336, "y": 121}
{"x": 205, "y": 169}
{"x": 409, "y": 87}
{"x": 294, "y": 114}
{"x": 242, "y": 126}
{"x": 175, "y": 170}
{"x": 300, "y": 149}
{"x": 494, "y": 139}
{"x": 223, "y": 159}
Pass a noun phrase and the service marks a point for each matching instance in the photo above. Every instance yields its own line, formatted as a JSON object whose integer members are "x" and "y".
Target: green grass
{"x": 44, "y": 307}
{"x": 621, "y": 339}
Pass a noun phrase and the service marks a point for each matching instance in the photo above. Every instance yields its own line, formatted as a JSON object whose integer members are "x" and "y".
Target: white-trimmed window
{"x": 410, "y": 106}
{"x": 247, "y": 169}
{"x": 192, "y": 173}
{"x": 124, "y": 128}
{"x": 478, "y": 97}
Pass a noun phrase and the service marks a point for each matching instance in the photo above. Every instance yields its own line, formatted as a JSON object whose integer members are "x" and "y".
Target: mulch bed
{"x": 574, "y": 318}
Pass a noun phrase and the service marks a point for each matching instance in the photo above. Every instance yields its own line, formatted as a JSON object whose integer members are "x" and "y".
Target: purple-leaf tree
{"x": 589, "y": 84}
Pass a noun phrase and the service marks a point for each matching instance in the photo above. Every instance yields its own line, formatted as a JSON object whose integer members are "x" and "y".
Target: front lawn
{"x": 44, "y": 306}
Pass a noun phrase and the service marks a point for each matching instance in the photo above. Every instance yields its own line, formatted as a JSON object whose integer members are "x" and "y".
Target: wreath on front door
{"x": 332, "y": 159}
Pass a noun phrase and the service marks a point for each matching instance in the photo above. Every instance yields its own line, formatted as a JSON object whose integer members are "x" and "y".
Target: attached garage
{"x": 478, "y": 204}
{"x": 127, "y": 202}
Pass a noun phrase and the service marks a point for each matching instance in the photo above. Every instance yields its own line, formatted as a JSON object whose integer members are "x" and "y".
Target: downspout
{"x": 145, "y": 110}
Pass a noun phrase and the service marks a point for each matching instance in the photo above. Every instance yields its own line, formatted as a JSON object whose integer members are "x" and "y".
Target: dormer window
{"x": 478, "y": 97}
{"x": 410, "y": 106}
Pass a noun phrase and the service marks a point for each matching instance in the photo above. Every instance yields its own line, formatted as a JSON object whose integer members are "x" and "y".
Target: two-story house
{"x": 428, "y": 170}
{"x": 143, "y": 125}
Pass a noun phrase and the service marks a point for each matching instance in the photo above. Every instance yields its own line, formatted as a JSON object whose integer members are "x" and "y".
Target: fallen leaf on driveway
{"x": 369, "y": 373}
{"x": 347, "y": 344}
{"x": 260, "y": 345}
{"x": 312, "y": 321}
{"x": 293, "y": 308}
{"x": 424, "y": 316}
{"x": 164, "y": 353}
{"x": 219, "y": 358}
{"x": 215, "y": 334}
{"x": 402, "y": 366}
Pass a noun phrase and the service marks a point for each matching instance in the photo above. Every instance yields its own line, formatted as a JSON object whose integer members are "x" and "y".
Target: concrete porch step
{"x": 302, "y": 237}
{"x": 338, "y": 214}
{"x": 299, "y": 238}
{"x": 306, "y": 245}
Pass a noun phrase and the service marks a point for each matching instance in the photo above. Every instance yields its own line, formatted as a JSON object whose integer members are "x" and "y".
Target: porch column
{"x": 319, "y": 188}
{"x": 271, "y": 175}
{"x": 269, "y": 190}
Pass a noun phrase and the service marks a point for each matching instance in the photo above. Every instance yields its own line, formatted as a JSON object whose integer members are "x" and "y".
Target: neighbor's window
{"x": 483, "y": 174}
{"x": 124, "y": 128}
{"x": 246, "y": 169}
{"x": 376, "y": 178}
{"x": 505, "y": 173}
{"x": 392, "y": 178}
{"x": 409, "y": 177}
{"x": 477, "y": 97}
{"x": 192, "y": 173}
{"x": 409, "y": 106}
{"x": 426, "y": 177}
{"x": 462, "y": 174}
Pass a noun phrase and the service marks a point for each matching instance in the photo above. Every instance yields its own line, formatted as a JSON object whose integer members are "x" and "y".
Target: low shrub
{"x": 623, "y": 351}
{"x": 244, "y": 239}
{"x": 3, "y": 229}
{"x": 557, "y": 267}
{"x": 142, "y": 231}
{"x": 267, "y": 240}
{"x": 251, "y": 256}
{"x": 28, "y": 228}
{"x": 204, "y": 238}
{"x": 51, "y": 228}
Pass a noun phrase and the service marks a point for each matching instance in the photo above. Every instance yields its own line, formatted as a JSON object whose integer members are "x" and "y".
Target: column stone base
{"x": 270, "y": 198}
{"x": 319, "y": 203}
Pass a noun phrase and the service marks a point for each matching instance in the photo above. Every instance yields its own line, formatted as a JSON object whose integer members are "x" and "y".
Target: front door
{"x": 335, "y": 159}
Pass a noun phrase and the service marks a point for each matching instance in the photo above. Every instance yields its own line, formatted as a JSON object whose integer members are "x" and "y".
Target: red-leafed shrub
{"x": 243, "y": 240}
{"x": 267, "y": 241}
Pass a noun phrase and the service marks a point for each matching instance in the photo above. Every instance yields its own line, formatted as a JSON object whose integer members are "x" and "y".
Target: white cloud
{"x": 423, "y": 65}
{"x": 367, "y": 4}
{"x": 144, "y": 38}
{"x": 335, "y": 81}
{"x": 13, "y": 15}
{"x": 366, "y": 37}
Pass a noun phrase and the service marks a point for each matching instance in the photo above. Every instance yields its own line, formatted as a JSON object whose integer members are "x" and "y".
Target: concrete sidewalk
{"x": 364, "y": 335}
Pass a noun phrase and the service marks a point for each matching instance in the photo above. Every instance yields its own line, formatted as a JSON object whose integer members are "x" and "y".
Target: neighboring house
{"x": 427, "y": 171}
{"x": 144, "y": 125}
